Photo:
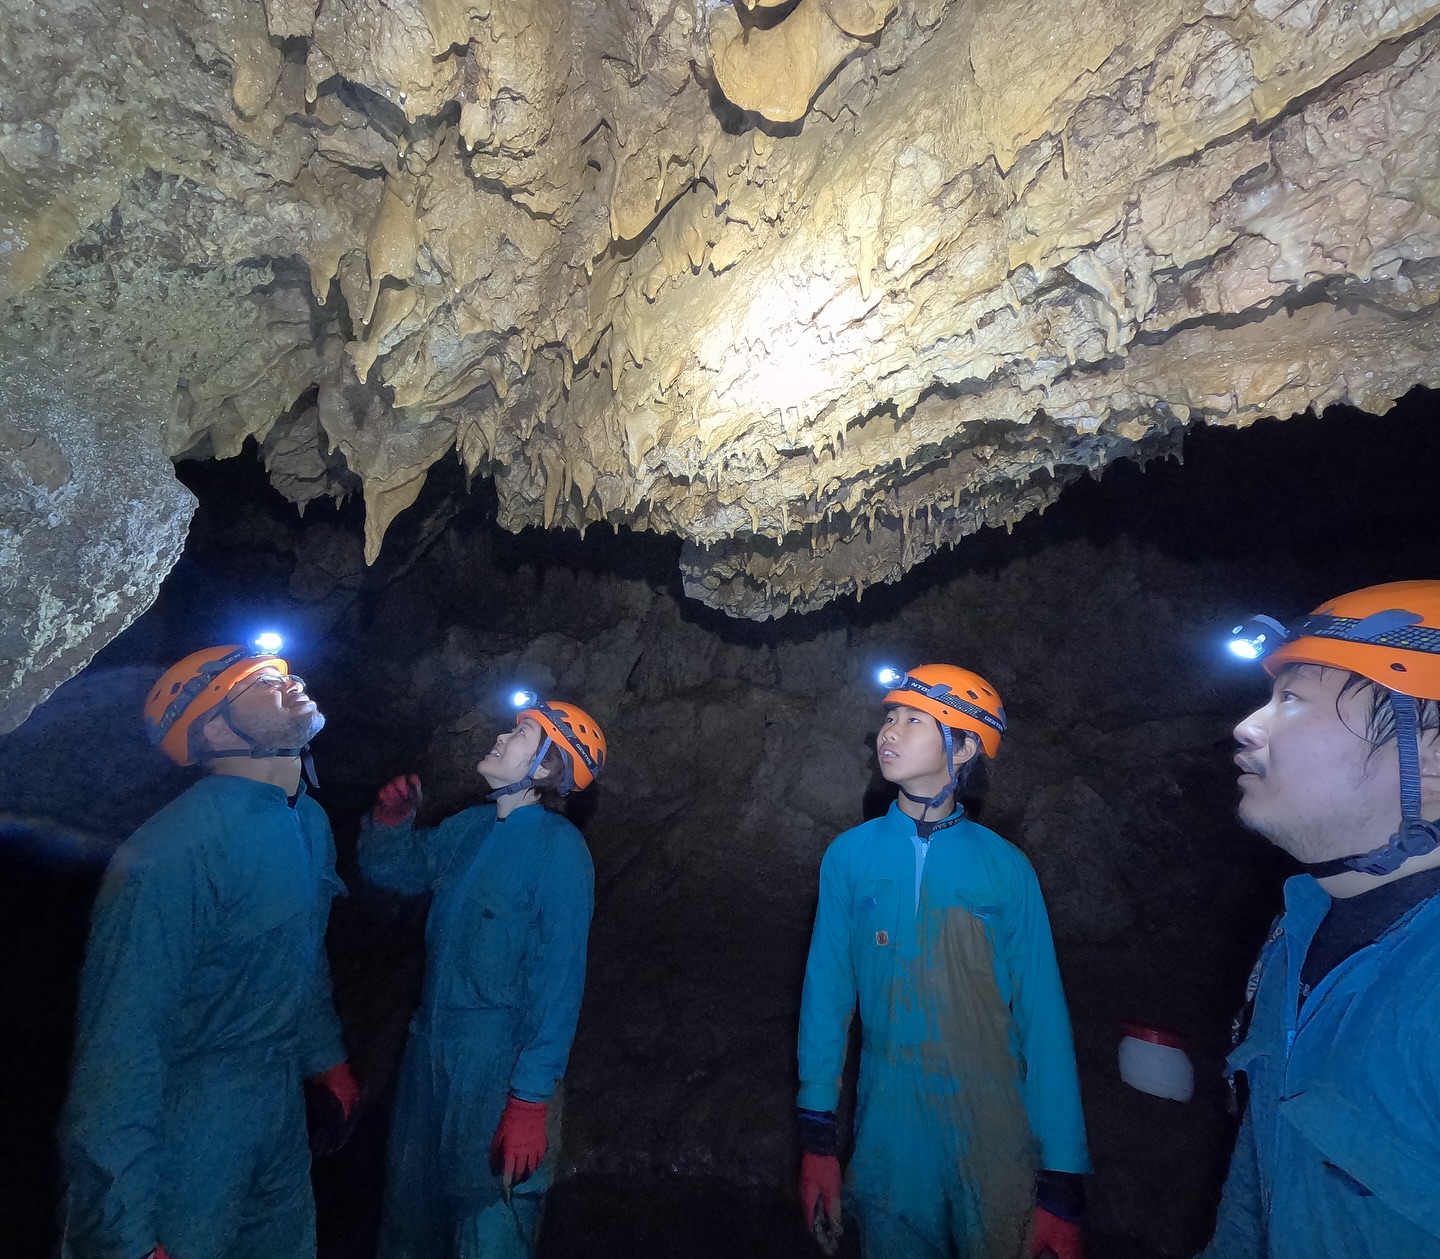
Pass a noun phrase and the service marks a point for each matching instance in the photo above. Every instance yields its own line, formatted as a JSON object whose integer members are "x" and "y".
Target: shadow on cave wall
{"x": 739, "y": 750}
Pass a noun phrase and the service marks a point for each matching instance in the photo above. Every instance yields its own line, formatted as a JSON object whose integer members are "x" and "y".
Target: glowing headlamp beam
{"x": 269, "y": 642}
{"x": 1256, "y": 637}
{"x": 524, "y": 699}
{"x": 889, "y": 676}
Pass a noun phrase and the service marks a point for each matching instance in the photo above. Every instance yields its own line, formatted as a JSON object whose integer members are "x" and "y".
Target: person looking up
{"x": 969, "y": 1137}
{"x": 476, "y": 1109}
{"x": 1338, "y": 1153}
{"x": 205, "y": 995}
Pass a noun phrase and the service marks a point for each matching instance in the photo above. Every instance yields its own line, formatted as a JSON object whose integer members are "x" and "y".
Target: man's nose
{"x": 1250, "y": 732}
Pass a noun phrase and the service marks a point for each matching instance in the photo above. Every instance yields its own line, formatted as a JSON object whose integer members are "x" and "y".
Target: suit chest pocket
{"x": 492, "y": 951}
{"x": 876, "y": 918}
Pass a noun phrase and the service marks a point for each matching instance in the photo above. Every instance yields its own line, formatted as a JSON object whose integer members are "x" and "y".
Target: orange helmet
{"x": 190, "y": 689}
{"x": 955, "y": 697}
{"x": 1389, "y": 634}
{"x": 575, "y": 734}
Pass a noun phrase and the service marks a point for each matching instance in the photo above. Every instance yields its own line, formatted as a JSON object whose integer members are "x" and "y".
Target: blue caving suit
{"x": 967, "y": 1069}
{"x": 204, "y": 1000}
{"x": 1338, "y": 1155}
{"x": 505, "y": 971}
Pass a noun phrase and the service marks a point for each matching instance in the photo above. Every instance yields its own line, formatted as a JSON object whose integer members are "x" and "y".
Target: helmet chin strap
{"x": 526, "y": 783}
{"x": 936, "y": 801}
{"x": 258, "y": 751}
{"x": 1415, "y": 836}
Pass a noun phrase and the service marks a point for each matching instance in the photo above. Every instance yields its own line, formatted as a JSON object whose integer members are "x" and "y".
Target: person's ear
{"x": 216, "y": 736}
{"x": 1430, "y": 773}
{"x": 967, "y": 747}
{"x": 1430, "y": 753}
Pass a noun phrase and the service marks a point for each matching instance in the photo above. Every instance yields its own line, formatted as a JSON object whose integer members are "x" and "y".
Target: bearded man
{"x": 205, "y": 997}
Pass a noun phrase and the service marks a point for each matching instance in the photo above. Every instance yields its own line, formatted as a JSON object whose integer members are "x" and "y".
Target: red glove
{"x": 1050, "y": 1235}
{"x": 332, "y": 1103}
{"x": 158, "y": 1253}
{"x": 341, "y": 1084}
{"x": 397, "y": 800}
{"x": 820, "y": 1186}
{"x": 519, "y": 1144}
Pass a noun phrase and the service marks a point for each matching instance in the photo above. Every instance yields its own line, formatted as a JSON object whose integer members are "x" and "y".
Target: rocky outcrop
{"x": 818, "y": 289}
{"x": 91, "y": 520}
{"x": 776, "y": 71}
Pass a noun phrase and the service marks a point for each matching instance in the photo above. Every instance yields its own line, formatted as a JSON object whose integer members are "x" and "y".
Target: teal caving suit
{"x": 505, "y": 971}
{"x": 204, "y": 1001}
{"x": 967, "y": 1070}
{"x": 1338, "y": 1155}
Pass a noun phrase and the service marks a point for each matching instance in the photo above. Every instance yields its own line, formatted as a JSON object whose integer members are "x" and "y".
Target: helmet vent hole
{"x": 972, "y": 694}
{"x": 1399, "y": 668}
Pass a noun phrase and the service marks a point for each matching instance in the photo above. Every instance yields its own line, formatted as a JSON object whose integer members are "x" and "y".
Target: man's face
{"x": 912, "y": 751}
{"x": 508, "y": 761}
{"x": 274, "y": 710}
{"x": 1310, "y": 781}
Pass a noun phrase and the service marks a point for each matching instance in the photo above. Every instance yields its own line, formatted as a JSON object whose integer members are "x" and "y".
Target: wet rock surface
{"x": 739, "y": 750}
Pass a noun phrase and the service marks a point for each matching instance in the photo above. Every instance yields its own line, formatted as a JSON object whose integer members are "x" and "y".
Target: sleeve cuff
{"x": 1060, "y": 1193}
{"x": 818, "y": 1132}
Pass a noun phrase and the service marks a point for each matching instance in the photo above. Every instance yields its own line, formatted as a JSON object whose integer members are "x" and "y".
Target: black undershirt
{"x": 926, "y": 829}
{"x": 1353, "y": 922}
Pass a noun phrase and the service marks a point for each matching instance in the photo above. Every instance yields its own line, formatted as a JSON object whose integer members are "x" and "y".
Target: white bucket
{"x": 1154, "y": 1061}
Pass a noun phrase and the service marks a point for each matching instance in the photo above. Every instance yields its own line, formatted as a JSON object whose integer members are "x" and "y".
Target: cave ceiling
{"x": 819, "y": 288}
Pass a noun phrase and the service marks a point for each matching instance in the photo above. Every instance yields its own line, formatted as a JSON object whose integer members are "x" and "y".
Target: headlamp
{"x": 898, "y": 680}
{"x": 1256, "y": 637}
{"x": 269, "y": 642}
{"x": 524, "y": 699}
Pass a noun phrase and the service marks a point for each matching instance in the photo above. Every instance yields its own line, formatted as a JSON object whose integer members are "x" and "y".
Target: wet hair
{"x": 1380, "y": 722}
{"x": 550, "y": 776}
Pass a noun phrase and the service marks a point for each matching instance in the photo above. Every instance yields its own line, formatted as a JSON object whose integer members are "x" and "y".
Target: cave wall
{"x": 740, "y": 749}
{"x": 818, "y": 291}
{"x": 91, "y": 521}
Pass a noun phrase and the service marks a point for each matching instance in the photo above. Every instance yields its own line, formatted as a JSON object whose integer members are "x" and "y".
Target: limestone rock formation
{"x": 776, "y": 71}
{"x": 91, "y": 520}
{"x": 819, "y": 289}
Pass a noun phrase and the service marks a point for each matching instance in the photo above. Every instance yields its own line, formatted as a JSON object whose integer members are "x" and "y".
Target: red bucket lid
{"x": 1153, "y": 1035}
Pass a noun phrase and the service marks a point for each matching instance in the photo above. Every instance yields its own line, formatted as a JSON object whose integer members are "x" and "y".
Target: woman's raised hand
{"x": 397, "y": 801}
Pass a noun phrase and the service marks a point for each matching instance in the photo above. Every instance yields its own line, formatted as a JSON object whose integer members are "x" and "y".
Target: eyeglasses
{"x": 272, "y": 682}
